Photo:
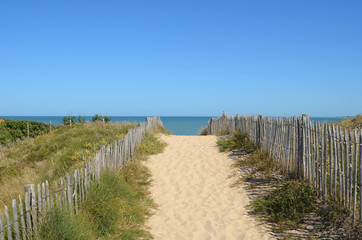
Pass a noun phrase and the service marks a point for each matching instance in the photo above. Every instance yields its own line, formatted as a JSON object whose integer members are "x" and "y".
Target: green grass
{"x": 59, "y": 224}
{"x": 116, "y": 206}
{"x": 287, "y": 205}
{"x": 50, "y": 156}
{"x": 238, "y": 141}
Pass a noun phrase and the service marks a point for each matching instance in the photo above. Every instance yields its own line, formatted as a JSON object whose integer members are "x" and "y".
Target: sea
{"x": 176, "y": 125}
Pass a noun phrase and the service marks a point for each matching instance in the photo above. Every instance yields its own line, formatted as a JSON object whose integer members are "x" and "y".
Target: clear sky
{"x": 180, "y": 58}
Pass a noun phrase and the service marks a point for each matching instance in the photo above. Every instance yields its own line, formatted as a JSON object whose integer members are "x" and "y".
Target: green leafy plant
{"x": 98, "y": 117}
{"x": 13, "y": 130}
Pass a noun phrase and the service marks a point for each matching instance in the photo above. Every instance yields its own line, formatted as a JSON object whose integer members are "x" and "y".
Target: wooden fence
{"x": 24, "y": 216}
{"x": 324, "y": 154}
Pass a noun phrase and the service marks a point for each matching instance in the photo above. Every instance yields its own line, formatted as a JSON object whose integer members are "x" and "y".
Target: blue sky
{"x": 180, "y": 58}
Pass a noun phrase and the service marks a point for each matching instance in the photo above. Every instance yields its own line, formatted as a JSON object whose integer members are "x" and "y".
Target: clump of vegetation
{"x": 238, "y": 141}
{"x": 260, "y": 162}
{"x": 355, "y": 122}
{"x": 203, "y": 132}
{"x": 60, "y": 224}
{"x": 68, "y": 120}
{"x": 99, "y": 118}
{"x": 333, "y": 213}
{"x": 286, "y": 205}
{"x": 116, "y": 206}
{"x": 223, "y": 132}
{"x": 13, "y": 130}
{"x": 161, "y": 130}
{"x": 81, "y": 119}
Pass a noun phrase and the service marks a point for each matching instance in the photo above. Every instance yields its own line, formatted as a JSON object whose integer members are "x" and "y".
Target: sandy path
{"x": 191, "y": 187}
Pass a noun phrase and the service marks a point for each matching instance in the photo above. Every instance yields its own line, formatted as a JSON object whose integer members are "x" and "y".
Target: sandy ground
{"x": 191, "y": 186}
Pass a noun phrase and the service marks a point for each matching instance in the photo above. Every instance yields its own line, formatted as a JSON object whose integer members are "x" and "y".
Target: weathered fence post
{"x": 27, "y": 128}
{"x": 258, "y": 132}
{"x": 302, "y": 125}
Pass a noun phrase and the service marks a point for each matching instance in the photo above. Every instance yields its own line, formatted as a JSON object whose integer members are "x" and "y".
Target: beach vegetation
{"x": 238, "y": 141}
{"x": 260, "y": 163}
{"x": 100, "y": 118}
{"x": 16, "y": 130}
{"x": 286, "y": 205}
{"x": 223, "y": 132}
{"x": 203, "y": 132}
{"x": 355, "y": 122}
{"x": 67, "y": 120}
{"x": 332, "y": 213}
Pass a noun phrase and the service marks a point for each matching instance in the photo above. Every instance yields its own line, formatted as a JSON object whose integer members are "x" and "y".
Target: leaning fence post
{"x": 1, "y": 227}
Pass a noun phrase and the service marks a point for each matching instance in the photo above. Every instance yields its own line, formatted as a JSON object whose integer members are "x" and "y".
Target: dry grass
{"x": 203, "y": 132}
{"x": 50, "y": 156}
{"x": 355, "y": 122}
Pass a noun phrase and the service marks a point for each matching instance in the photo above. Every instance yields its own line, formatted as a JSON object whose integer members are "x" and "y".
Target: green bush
{"x": 13, "y": 130}
{"x": 286, "y": 205}
{"x": 99, "y": 118}
{"x": 239, "y": 141}
{"x": 67, "y": 120}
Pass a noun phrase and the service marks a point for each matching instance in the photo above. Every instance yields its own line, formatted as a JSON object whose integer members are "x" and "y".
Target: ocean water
{"x": 176, "y": 125}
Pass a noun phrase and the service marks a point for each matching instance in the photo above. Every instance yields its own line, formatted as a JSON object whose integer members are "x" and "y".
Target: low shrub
{"x": 203, "y": 132}
{"x": 99, "y": 118}
{"x": 14, "y": 130}
{"x": 333, "y": 213}
{"x": 286, "y": 205}
{"x": 238, "y": 141}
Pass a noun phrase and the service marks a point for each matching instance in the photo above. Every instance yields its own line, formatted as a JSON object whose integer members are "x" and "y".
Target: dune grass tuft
{"x": 203, "y": 132}
{"x": 238, "y": 141}
{"x": 60, "y": 224}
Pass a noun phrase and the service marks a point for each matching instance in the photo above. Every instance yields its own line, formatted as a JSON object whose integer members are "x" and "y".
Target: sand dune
{"x": 191, "y": 186}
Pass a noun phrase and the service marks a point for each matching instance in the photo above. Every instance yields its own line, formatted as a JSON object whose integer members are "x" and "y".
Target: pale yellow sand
{"x": 191, "y": 186}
